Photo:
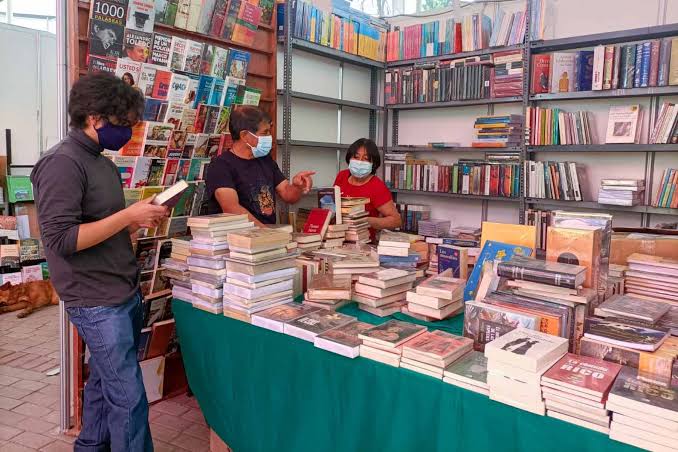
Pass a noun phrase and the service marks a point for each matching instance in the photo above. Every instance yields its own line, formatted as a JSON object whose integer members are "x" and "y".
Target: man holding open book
{"x": 85, "y": 229}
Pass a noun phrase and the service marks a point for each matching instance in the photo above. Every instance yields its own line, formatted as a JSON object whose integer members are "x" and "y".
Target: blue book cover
{"x": 152, "y": 109}
{"x": 237, "y": 63}
{"x": 217, "y": 91}
{"x": 645, "y": 66}
{"x": 280, "y": 21}
{"x": 639, "y": 66}
{"x": 451, "y": 258}
{"x": 202, "y": 95}
{"x": 412, "y": 257}
{"x": 491, "y": 251}
{"x": 584, "y": 70}
{"x": 229, "y": 97}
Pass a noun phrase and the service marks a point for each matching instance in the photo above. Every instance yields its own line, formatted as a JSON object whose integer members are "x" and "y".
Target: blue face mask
{"x": 113, "y": 137}
{"x": 263, "y": 147}
{"x": 359, "y": 168}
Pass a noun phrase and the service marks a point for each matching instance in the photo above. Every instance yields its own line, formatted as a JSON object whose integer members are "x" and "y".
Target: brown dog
{"x": 27, "y": 296}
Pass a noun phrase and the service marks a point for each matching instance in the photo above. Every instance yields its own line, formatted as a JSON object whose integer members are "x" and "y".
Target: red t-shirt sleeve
{"x": 379, "y": 193}
{"x": 340, "y": 178}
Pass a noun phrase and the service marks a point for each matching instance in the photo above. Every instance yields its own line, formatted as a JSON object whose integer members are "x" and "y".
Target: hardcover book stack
{"x": 438, "y": 297}
{"x": 469, "y": 372}
{"x": 307, "y": 242}
{"x": 507, "y": 75}
{"x": 260, "y": 272}
{"x": 667, "y": 192}
{"x": 551, "y": 126}
{"x": 328, "y": 291}
{"x": 554, "y": 180}
{"x": 644, "y": 414}
{"x": 515, "y": 364}
{"x": 621, "y": 192}
{"x": 652, "y": 277}
{"x": 354, "y": 215}
{"x": 434, "y": 228}
{"x": 431, "y": 352}
{"x": 575, "y": 390}
{"x": 343, "y": 340}
{"x": 498, "y": 131}
{"x": 382, "y": 293}
{"x": 384, "y": 343}
{"x": 312, "y": 324}
{"x": 335, "y": 235}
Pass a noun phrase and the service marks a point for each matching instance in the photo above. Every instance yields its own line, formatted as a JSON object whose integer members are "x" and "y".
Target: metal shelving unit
{"x": 450, "y": 149}
{"x": 605, "y": 148}
{"x": 454, "y": 103}
{"x": 314, "y": 144}
{"x": 331, "y": 100}
{"x": 452, "y": 56}
{"x": 454, "y": 195}
{"x": 597, "y": 206}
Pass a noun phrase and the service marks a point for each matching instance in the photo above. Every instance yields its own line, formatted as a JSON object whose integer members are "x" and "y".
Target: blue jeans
{"x": 115, "y": 408}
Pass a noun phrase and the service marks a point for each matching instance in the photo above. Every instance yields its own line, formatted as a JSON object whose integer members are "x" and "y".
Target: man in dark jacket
{"x": 85, "y": 230}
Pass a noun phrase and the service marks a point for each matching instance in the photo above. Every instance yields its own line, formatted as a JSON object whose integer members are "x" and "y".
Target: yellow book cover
{"x": 673, "y": 66}
{"x": 513, "y": 234}
{"x": 576, "y": 247}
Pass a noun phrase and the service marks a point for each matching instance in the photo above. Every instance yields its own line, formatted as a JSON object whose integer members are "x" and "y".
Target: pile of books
{"x": 508, "y": 74}
{"x": 459, "y": 238}
{"x": 621, "y": 192}
{"x": 431, "y": 352}
{"x": 394, "y": 250}
{"x": 328, "y": 291}
{"x": 176, "y": 269}
{"x": 207, "y": 280}
{"x": 354, "y": 265}
{"x": 667, "y": 191}
{"x": 469, "y": 372}
{"x": 554, "y": 180}
{"x": 274, "y": 318}
{"x": 515, "y": 364}
{"x": 384, "y": 343}
{"x": 343, "y": 340}
{"x": 644, "y": 414}
{"x": 652, "y": 277}
{"x": 382, "y": 293}
{"x": 260, "y": 272}
{"x": 307, "y": 242}
{"x": 575, "y": 390}
{"x": 453, "y": 258}
{"x": 310, "y": 325}
{"x": 498, "y": 131}
{"x": 551, "y": 126}
{"x": 437, "y": 298}
{"x": 354, "y": 215}
{"x": 434, "y": 228}
{"x": 335, "y": 235}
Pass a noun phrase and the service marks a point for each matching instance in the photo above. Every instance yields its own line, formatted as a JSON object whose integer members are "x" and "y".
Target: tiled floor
{"x": 29, "y": 400}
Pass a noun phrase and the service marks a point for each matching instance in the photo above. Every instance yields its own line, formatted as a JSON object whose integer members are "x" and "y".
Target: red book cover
{"x": 654, "y": 62}
{"x": 170, "y": 175}
{"x": 507, "y": 181}
{"x": 583, "y": 373}
{"x": 200, "y": 118}
{"x": 457, "y": 37}
{"x": 161, "y": 84}
{"x": 541, "y": 68}
{"x": 317, "y": 221}
{"x": 218, "y": 17}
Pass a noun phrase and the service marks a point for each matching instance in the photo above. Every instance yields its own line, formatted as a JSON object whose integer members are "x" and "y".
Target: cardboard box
{"x": 656, "y": 242}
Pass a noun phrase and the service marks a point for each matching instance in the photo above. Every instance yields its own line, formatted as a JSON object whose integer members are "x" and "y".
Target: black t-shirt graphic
{"x": 254, "y": 180}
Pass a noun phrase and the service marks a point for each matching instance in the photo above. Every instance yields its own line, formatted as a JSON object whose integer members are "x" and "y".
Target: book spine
{"x": 607, "y": 67}
{"x": 654, "y": 62}
{"x": 638, "y": 71}
{"x": 645, "y": 66}
{"x": 598, "y": 68}
{"x": 630, "y": 66}
{"x": 509, "y": 270}
{"x": 664, "y": 59}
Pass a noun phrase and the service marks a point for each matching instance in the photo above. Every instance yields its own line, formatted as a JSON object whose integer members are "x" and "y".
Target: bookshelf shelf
{"x": 314, "y": 144}
{"x": 606, "y": 148}
{"x": 453, "y": 195}
{"x": 210, "y": 39}
{"x": 613, "y": 37}
{"x": 597, "y": 206}
{"x": 610, "y": 93}
{"x": 449, "y": 149}
{"x": 452, "y": 56}
{"x": 455, "y": 103}
{"x": 330, "y": 100}
{"x": 335, "y": 54}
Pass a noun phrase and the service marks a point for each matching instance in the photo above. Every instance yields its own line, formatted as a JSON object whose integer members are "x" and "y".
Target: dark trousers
{"x": 115, "y": 408}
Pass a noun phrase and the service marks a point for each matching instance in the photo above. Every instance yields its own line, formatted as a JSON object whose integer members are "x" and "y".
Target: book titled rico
{"x": 582, "y": 374}
{"x": 318, "y": 221}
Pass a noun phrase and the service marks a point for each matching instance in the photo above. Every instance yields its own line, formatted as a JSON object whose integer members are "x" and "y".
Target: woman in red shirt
{"x": 359, "y": 180}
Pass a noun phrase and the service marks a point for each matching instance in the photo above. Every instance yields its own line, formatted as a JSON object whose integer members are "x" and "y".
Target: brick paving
{"x": 29, "y": 399}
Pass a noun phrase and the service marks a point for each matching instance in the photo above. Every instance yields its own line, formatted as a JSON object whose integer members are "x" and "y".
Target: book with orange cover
{"x": 513, "y": 234}
{"x": 442, "y": 285}
{"x": 576, "y": 247}
{"x": 247, "y": 22}
{"x": 318, "y": 221}
{"x": 135, "y": 145}
{"x": 437, "y": 348}
{"x": 652, "y": 263}
{"x": 330, "y": 287}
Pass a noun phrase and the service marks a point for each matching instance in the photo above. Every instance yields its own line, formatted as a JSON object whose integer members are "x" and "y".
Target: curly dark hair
{"x": 372, "y": 152}
{"x": 246, "y": 117}
{"x": 104, "y": 95}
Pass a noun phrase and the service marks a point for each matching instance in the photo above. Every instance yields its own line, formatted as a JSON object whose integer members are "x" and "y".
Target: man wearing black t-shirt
{"x": 245, "y": 178}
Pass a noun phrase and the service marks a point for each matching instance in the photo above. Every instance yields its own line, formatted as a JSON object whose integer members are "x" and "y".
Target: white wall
{"x": 27, "y": 92}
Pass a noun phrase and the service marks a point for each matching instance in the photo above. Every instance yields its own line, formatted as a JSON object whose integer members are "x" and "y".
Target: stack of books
{"x": 207, "y": 279}
{"x": 498, "y": 131}
{"x": 652, "y": 277}
{"x": 335, "y": 235}
{"x": 575, "y": 390}
{"x": 343, "y": 340}
{"x": 434, "y": 228}
{"x": 180, "y": 248}
{"x": 260, "y": 272}
{"x": 328, "y": 291}
{"x": 384, "y": 343}
{"x": 469, "y": 372}
{"x": 176, "y": 268}
{"x": 355, "y": 265}
{"x": 309, "y": 326}
{"x": 621, "y": 192}
{"x": 515, "y": 364}
{"x": 274, "y": 318}
{"x": 644, "y": 414}
{"x": 394, "y": 250}
{"x": 354, "y": 215}
{"x": 307, "y": 241}
{"x": 508, "y": 74}
{"x": 438, "y": 297}
{"x": 431, "y": 352}
{"x": 209, "y": 232}
{"x": 382, "y": 293}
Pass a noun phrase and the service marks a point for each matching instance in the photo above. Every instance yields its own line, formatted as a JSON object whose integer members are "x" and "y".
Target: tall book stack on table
{"x": 335, "y": 235}
{"x": 469, "y": 372}
{"x": 621, "y": 192}
{"x": 430, "y": 353}
{"x": 644, "y": 414}
{"x": 328, "y": 291}
{"x": 384, "y": 343}
{"x": 652, "y": 277}
{"x": 207, "y": 281}
{"x": 382, "y": 292}
{"x": 515, "y": 364}
{"x": 438, "y": 297}
{"x": 343, "y": 340}
{"x": 575, "y": 390}
{"x": 354, "y": 215}
{"x": 260, "y": 272}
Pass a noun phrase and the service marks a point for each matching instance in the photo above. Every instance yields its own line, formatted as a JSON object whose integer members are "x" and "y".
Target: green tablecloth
{"x": 265, "y": 391}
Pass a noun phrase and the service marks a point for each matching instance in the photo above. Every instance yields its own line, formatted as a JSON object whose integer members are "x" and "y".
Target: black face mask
{"x": 113, "y": 137}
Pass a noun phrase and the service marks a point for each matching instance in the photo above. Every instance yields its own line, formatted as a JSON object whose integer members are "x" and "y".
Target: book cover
{"x": 98, "y": 64}
{"x": 137, "y": 45}
{"x": 141, "y": 15}
{"x": 110, "y": 11}
{"x": 105, "y": 39}
{"x": 544, "y": 272}
{"x": 318, "y": 221}
{"x": 193, "y": 57}
{"x": 591, "y": 375}
{"x": 576, "y": 247}
{"x": 484, "y": 323}
{"x": 182, "y": 12}
{"x": 630, "y": 390}
{"x": 205, "y": 19}
{"x": 437, "y": 344}
{"x": 541, "y": 70}
{"x": 161, "y": 84}
{"x": 237, "y": 64}
{"x": 584, "y": 70}
{"x": 526, "y": 349}
{"x": 392, "y": 333}
{"x": 514, "y": 234}
{"x": 627, "y": 306}
{"x": 219, "y": 62}
{"x": 177, "y": 53}
{"x": 146, "y": 79}
{"x": 246, "y": 24}
{"x": 626, "y": 335}
{"x": 128, "y": 70}
{"x": 562, "y": 72}
{"x": 442, "y": 285}
{"x": 470, "y": 367}
{"x": 490, "y": 252}
{"x": 346, "y": 335}
{"x": 319, "y": 321}
{"x": 156, "y": 172}
{"x": 622, "y": 124}
{"x": 454, "y": 258}
{"x": 161, "y": 50}
{"x": 217, "y": 22}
